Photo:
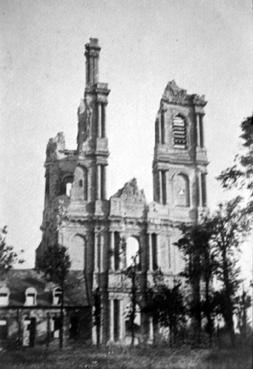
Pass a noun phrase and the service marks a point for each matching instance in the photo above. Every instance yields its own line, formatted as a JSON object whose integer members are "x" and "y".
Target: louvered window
{"x": 179, "y": 132}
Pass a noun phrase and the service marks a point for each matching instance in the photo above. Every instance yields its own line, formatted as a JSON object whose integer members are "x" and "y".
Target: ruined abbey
{"x": 102, "y": 233}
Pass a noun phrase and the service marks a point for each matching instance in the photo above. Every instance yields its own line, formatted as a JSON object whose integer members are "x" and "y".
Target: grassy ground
{"x": 124, "y": 358}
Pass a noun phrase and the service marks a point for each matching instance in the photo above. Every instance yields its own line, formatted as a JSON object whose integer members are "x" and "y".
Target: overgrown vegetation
{"x": 8, "y": 257}
{"x": 152, "y": 357}
{"x": 55, "y": 265}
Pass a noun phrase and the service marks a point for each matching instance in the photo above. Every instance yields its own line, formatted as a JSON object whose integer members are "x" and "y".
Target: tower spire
{"x": 92, "y": 50}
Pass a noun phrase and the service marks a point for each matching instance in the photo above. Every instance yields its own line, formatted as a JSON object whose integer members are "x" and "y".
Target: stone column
{"x": 96, "y": 252}
{"x": 150, "y": 252}
{"x": 99, "y": 120}
{"x": 101, "y": 253}
{"x": 98, "y": 182}
{"x": 112, "y": 251}
{"x": 121, "y": 321}
{"x": 103, "y": 184}
{"x": 103, "y": 120}
{"x": 200, "y": 189}
{"x": 158, "y": 251}
{"x": 160, "y": 129}
{"x": 111, "y": 321}
{"x": 198, "y": 129}
{"x": 160, "y": 186}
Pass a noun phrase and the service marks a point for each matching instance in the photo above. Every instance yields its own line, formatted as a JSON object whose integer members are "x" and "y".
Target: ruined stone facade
{"x": 102, "y": 234}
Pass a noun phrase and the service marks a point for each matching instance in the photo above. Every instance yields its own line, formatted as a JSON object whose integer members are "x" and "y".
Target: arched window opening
{"x": 77, "y": 252}
{"x": 80, "y": 183}
{"x": 4, "y": 296}
{"x": 30, "y": 296}
{"x": 128, "y": 323}
{"x": 181, "y": 190}
{"x": 57, "y": 296}
{"x": 179, "y": 132}
{"x": 66, "y": 186}
{"x": 132, "y": 252}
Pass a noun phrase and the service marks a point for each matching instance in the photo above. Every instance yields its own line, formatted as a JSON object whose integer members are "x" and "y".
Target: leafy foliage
{"x": 200, "y": 265}
{"x": 166, "y": 305}
{"x": 240, "y": 175}
{"x": 55, "y": 264}
{"x": 8, "y": 256}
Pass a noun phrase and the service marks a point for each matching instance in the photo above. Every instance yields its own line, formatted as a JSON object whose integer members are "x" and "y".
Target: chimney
{"x": 92, "y": 50}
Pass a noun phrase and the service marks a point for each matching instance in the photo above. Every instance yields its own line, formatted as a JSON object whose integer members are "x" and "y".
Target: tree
{"x": 166, "y": 305}
{"x": 8, "y": 257}
{"x": 242, "y": 304}
{"x": 240, "y": 175}
{"x": 230, "y": 225}
{"x": 199, "y": 266}
{"x": 131, "y": 272}
{"x": 55, "y": 265}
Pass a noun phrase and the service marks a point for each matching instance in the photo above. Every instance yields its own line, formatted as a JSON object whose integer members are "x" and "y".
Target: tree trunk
{"x": 228, "y": 314}
{"x": 196, "y": 299}
{"x": 62, "y": 319}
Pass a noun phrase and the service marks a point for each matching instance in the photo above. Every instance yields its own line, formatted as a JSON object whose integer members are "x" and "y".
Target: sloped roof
{"x": 18, "y": 280}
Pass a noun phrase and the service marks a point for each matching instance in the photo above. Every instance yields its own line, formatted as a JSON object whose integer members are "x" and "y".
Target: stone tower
{"x": 180, "y": 161}
{"x": 102, "y": 235}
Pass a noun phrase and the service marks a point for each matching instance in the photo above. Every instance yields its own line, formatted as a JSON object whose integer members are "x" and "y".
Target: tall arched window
{"x": 181, "y": 190}
{"x": 132, "y": 252}
{"x": 179, "y": 131}
{"x": 80, "y": 185}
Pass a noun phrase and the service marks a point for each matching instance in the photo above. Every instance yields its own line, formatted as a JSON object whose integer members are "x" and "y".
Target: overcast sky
{"x": 206, "y": 46}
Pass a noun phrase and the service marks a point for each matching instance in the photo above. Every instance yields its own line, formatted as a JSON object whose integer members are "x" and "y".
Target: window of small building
{"x": 57, "y": 295}
{"x": 179, "y": 132}
{"x": 4, "y": 296}
{"x": 3, "y": 328}
{"x": 30, "y": 296}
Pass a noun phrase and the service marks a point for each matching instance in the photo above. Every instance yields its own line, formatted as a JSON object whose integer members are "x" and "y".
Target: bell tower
{"x": 180, "y": 160}
{"x": 92, "y": 143}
